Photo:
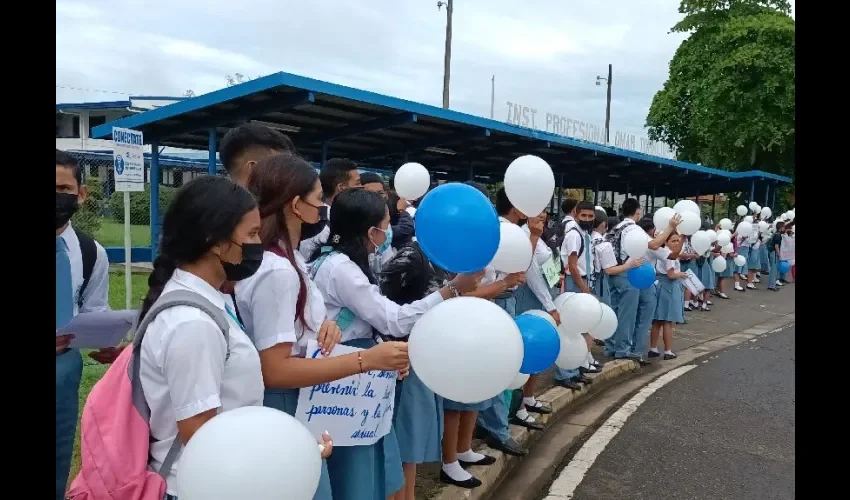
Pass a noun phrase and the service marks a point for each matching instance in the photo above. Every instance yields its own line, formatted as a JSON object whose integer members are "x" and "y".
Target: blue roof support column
{"x": 471, "y": 172}
{"x": 324, "y": 154}
{"x": 560, "y": 194}
{"x": 154, "y": 180}
{"x": 653, "y": 198}
{"x": 752, "y": 189}
{"x": 596, "y": 194}
{"x": 773, "y": 198}
{"x": 766, "y": 193}
{"x": 713, "y": 206}
{"x": 213, "y": 147}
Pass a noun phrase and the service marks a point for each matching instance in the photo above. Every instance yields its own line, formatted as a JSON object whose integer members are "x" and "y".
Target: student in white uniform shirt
{"x": 82, "y": 285}
{"x": 627, "y": 301}
{"x": 281, "y": 306}
{"x": 337, "y": 175}
{"x": 359, "y": 226}
{"x": 568, "y": 207}
{"x": 189, "y": 371}
{"x": 401, "y": 225}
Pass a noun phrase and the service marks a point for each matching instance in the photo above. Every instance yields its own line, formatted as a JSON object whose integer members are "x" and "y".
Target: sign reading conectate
{"x": 128, "y": 157}
{"x": 527, "y": 117}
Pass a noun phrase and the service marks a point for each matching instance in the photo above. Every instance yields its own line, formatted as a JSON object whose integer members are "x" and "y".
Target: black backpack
{"x": 88, "y": 250}
{"x": 615, "y": 238}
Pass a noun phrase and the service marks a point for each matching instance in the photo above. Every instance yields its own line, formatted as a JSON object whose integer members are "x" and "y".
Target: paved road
{"x": 724, "y": 430}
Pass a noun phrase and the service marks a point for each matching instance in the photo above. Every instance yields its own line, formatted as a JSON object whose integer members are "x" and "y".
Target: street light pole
{"x": 607, "y": 104}
{"x": 447, "y": 57}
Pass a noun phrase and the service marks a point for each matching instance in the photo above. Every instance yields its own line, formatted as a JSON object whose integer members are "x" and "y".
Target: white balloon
{"x": 687, "y": 206}
{"x": 749, "y": 219}
{"x": 573, "y": 351}
{"x": 757, "y": 210}
{"x": 466, "y": 339}
{"x": 252, "y": 452}
{"x": 580, "y": 313}
{"x": 718, "y": 264}
{"x": 411, "y": 181}
{"x": 514, "y": 252}
{"x": 599, "y": 208}
{"x": 561, "y": 299}
{"x": 662, "y": 217}
{"x": 542, "y": 314}
{"x": 740, "y": 260}
{"x": 753, "y": 205}
{"x": 690, "y": 223}
{"x": 727, "y": 249}
{"x": 741, "y": 210}
{"x": 724, "y": 237}
{"x": 529, "y": 184}
{"x": 766, "y": 212}
{"x": 636, "y": 243}
{"x": 607, "y": 326}
{"x": 712, "y": 235}
{"x": 701, "y": 242}
{"x": 518, "y": 381}
{"x": 725, "y": 224}
{"x": 763, "y": 226}
{"x": 744, "y": 229}
{"x": 791, "y": 215}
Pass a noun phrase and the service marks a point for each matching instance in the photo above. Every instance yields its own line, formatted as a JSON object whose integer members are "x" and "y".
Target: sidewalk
{"x": 743, "y": 310}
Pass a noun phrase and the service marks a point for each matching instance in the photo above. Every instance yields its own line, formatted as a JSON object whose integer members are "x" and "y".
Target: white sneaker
{"x": 779, "y": 283}
{"x": 738, "y": 287}
{"x": 756, "y": 280}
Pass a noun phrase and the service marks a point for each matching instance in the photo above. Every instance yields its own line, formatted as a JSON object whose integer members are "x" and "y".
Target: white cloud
{"x": 545, "y": 54}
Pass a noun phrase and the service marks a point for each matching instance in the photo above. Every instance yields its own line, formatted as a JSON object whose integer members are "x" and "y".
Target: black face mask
{"x": 252, "y": 257}
{"x": 310, "y": 230}
{"x": 586, "y": 225}
{"x": 66, "y": 205}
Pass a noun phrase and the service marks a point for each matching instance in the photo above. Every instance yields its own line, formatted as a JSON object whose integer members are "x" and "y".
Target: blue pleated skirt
{"x": 671, "y": 300}
{"x": 754, "y": 261}
{"x": 706, "y": 274}
{"x": 742, "y": 270}
{"x": 601, "y": 290}
{"x": 418, "y": 421}
{"x": 688, "y": 264}
{"x": 730, "y": 269}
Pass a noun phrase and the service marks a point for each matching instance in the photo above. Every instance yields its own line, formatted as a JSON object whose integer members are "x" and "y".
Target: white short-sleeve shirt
{"x": 574, "y": 240}
{"x": 267, "y": 304}
{"x": 603, "y": 257}
{"x": 183, "y": 369}
{"x": 659, "y": 258}
{"x": 96, "y": 295}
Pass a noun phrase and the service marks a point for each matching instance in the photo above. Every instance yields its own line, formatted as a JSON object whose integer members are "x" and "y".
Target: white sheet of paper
{"x": 94, "y": 330}
{"x": 693, "y": 283}
{"x": 355, "y": 410}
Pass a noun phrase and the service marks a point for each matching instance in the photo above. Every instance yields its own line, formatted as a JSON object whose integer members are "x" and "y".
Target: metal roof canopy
{"x": 327, "y": 120}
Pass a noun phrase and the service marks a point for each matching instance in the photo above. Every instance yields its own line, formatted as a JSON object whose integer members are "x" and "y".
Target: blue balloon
{"x": 540, "y": 342}
{"x": 784, "y": 266}
{"x": 642, "y": 277}
{"x": 457, "y": 228}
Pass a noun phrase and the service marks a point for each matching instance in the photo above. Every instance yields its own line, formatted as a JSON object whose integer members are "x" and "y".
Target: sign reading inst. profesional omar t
{"x": 128, "y": 157}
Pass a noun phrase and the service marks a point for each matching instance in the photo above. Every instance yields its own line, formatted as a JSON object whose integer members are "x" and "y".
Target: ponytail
{"x": 163, "y": 269}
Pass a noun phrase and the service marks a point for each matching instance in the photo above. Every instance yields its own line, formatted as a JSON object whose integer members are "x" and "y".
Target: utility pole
{"x": 492, "y": 95}
{"x": 447, "y": 57}
{"x": 607, "y": 104}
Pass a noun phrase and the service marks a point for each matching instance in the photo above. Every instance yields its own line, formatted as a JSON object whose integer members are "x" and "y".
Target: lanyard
{"x": 233, "y": 316}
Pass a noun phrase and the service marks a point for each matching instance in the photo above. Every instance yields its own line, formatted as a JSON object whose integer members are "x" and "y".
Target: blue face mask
{"x": 387, "y": 241}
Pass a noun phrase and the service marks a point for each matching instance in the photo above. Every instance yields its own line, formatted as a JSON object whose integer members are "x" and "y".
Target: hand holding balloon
{"x": 389, "y": 356}
{"x": 465, "y": 283}
{"x": 514, "y": 279}
{"x": 636, "y": 263}
{"x": 674, "y": 222}
{"x": 535, "y": 226}
{"x": 326, "y": 447}
{"x": 556, "y": 316}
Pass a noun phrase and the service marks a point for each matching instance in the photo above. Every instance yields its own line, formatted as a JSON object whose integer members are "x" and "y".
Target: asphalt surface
{"x": 724, "y": 430}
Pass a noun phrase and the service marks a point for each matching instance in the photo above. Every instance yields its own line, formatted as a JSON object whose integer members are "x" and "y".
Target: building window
{"x": 95, "y": 121}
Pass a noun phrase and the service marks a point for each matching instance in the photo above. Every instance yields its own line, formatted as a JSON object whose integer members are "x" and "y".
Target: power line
{"x": 92, "y": 90}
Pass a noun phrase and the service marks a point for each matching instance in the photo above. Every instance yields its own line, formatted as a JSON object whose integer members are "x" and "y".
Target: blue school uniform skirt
{"x": 706, "y": 274}
{"x": 742, "y": 270}
{"x": 365, "y": 472}
{"x": 600, "y": 289}
{"x": 671, "y": 300}
{"x": 754, "y": 261}
{"x": 764, "y": 259}
{"x": 418, "y": 421}
{"x": 688, "y": 264}
{"x": 730, "y": 269}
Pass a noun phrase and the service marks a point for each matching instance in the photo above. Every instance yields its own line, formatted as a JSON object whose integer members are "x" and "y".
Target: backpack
{"x": 615, "y": 238}
{"x": 88, "y": 250}
{"x": 556, "y": 238}
{"x": 115, "y": 427}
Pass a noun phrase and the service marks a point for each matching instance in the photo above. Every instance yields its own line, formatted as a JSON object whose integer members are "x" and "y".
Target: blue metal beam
{"x": 154, "y": 214}
{"x": 212, "y": 167}
{"x": 431, "y": 142}
{"x": 218, "y": 118}
{"x": 360, "y": 128}
{"x": 115, "y": 255}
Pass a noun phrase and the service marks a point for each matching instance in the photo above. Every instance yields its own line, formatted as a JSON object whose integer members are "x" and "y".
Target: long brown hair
{"x": 275, "y": 181}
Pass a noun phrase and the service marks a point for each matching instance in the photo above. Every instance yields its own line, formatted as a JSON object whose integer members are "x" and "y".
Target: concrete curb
{"x": 561, "y": 401}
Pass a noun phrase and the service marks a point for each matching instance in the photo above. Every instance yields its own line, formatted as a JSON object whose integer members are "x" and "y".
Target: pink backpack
{"x": 115, "y": 432}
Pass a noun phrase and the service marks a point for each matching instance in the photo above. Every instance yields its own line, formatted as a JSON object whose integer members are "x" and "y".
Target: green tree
{"x": 729, "y": 99}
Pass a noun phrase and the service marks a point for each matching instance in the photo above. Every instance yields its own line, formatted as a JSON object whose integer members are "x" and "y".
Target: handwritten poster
{"x": 552, "y": 270}
{"x": 355, "y": 410}
{"x": 693, "y": 283}
{"x": 786, "y": 249}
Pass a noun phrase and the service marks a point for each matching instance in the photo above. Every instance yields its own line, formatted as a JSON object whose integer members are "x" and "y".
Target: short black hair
{"x": 613, "y": 221}
{"x": 599, "y": 217}
{"x": 249, "y": 135}
{"x": 503, "y": 204}
{"x": 645, "y": 223}
{"x": 334, "y": 173}
{"x": 370, "y": 178}
{"x": 780, "y": 226}
{"x": 568, "y": 205}
{"x": 585, "y": 205}
{"x": 480, "y": 187}
{"x": 630, "y": 206}
{"x": 64, "y": 159}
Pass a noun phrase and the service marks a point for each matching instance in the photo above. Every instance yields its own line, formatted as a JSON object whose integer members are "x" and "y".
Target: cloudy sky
{"x": 545, "y": 54}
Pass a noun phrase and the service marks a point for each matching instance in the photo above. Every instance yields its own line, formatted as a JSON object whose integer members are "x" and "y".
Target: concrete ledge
{"x": 561, "y": 401}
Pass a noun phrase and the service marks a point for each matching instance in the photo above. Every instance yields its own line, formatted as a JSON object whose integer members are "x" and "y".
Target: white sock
{"x": 668, "y": 352}
{"x": 456, "y": 472}
{"x": 522, "y": 414}
{"x": 529, "y": 401}
{"x": 654, "y": 349}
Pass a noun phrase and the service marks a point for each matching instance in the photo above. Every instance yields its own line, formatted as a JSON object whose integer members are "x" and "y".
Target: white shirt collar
{"x": 196, "y": 284}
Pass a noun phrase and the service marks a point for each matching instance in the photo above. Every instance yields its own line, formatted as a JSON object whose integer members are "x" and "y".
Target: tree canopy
{"x": 729, "y": 100}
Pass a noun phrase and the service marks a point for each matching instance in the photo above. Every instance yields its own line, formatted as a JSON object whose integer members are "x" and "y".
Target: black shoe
{"x": 669, "y": 356}
{"x": 643, "y": 362}
{"x": 569, "y": 384}
{"x": 470, "y": 483}
{"x": 593, "y": 369}
{"x": 600, "y": 343}
{"x": 541, "y": 408}
{"x": 581, "y": 379}
{"x": 487, "y": 460}
{"x": 508, "y": 446}
{"x": 654, "y": 354}
{"x": 528, "y": 424}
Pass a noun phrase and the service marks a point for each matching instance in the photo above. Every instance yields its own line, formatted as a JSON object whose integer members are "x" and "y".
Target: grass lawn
{"x": 111, "y": 234}
{"x": 92, "y": 371}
